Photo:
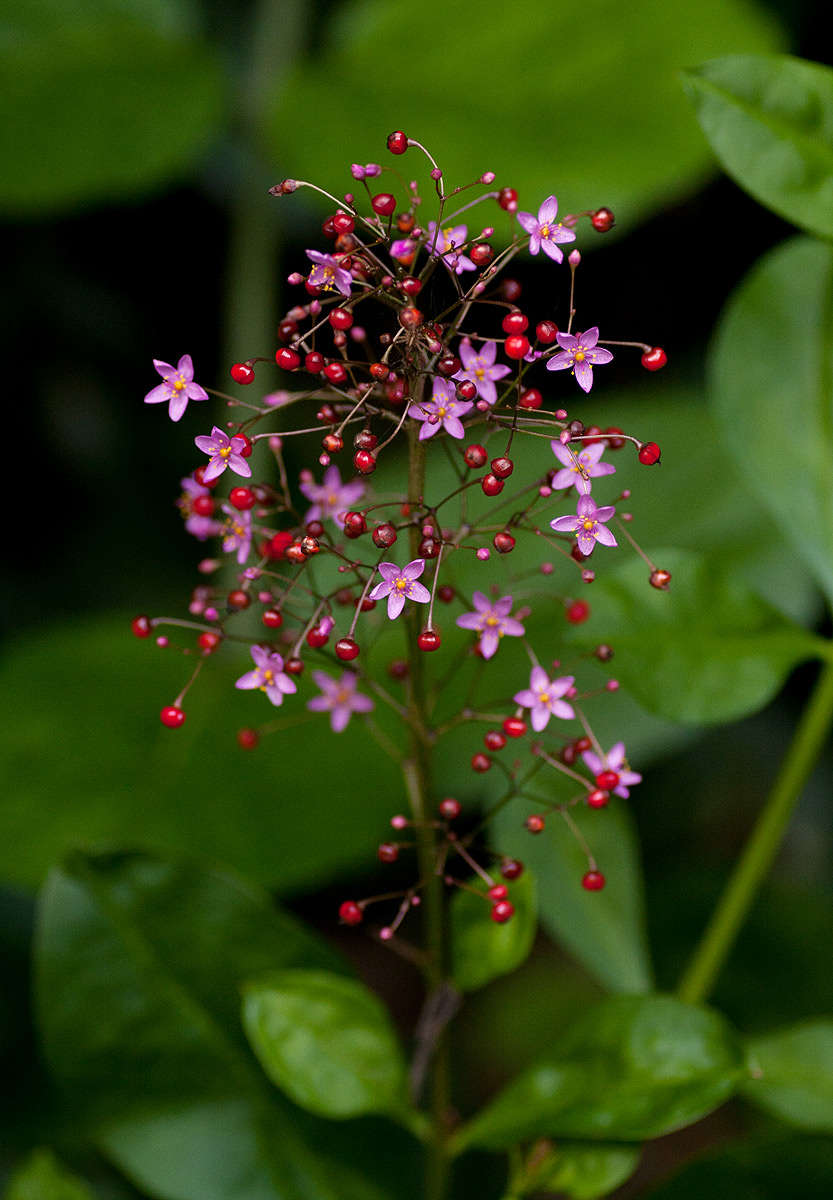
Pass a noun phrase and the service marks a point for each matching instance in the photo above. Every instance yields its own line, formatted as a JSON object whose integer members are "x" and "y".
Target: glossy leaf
{"x": 326, "y": 1041}
{"x": 43, "y": 1177}
{"x": 138, "y": 967}
{"x": 708, "y": 650}
{"x": 633, "y": 1067}
{"x": 586, "y": 1170}
{"x": 792, "y": 1075}
{"x": 604, "y": 930}
{"x": 481, "y": 949}
{"x": 769, "y": 120}
{"x": 771, "y": 376}
{"x": 769, "y": 1169}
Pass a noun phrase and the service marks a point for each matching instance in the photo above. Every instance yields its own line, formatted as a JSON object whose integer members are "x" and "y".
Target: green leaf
{"x": 326, "y": 1041}
{"x": 138, "y": 967}
{"x": 584, "y": 1171}
{"x": 708, "y": 650}
{"x": 633, "y": 1067}
{"x": 792, "y": 1075}
{"x": 604, "y": 930}
{"x": 759, "y": 1169}
{"x": 639, "y": 146}
{"x": 43, "y": 1177}
{"x": 769, "y": 120}
{"x": 109, "y": 98}
{"x": 481, "y": 950}
{"x": 771, "y": 376}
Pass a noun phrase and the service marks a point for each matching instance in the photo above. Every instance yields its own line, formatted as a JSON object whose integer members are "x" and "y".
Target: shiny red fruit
{"x": 242, "y": 373}
{"x": 364, "y": 462}
{"x": 450, "y": 808}
{"x": 598, "y": 798}
{"x": 511, "y": 868}
{"x": 242, "y": 498}
{"x": 578, "y": 612}
{"x": 503, "y": 542}
{"x": 172, "y": 716}
{"x": 546, "y": 332}
{"x": 649, "y": 453}
{"x": 535, "y": 823}
{"x": 238, "y": 599}
{"x": 247, "y": 739}
{"x": 290, "y": 360}
{"x": 272, "y": 618}
{"x": 397, "y": 142}
{"x": 502, "y": 912}
{"x": 515, "y": 322}
{"x": 475, "y": 455}
{"x": 491, "y": 485}
{"x": 384, "y": 204}
{"x": 602, "y": 220}
{"x": 593, "y": 881}
{"x": 429, "y": 640}
{"x": 335, "y": 372}
{"x": 141, "y": 627}
{"x": 514, "y": 727}
{"x": 350, "y": 913}
{"x": 607, "y": 780}
{"x": 347, "y": 649}
{"x": 654, "y": 359}
{"x": 516, "y": 346}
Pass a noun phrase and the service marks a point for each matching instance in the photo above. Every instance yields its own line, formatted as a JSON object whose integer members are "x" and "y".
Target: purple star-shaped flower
{"x": 442, "y": 410}
{"x": 199, "y": 527}
{"x": 399, "y": 584}
{"x": 480, "y": 368}
{"x": 178, "y": 386}
{"x": 614, "y": 760}
{"x": 446, "y": 246}
{"x": 492, "y": 621}
{"x": 579, "y": 467}
{"x": 544, "y": 231}
{"x": 224, "y": 452}
{"x": 268, "y": 675}
{"x": 579, "y": 351}
{"x": 331, "y": 496}
{"x": 588, "y": 524}
{"x": 543, "y": 698}
{"x": 328, "y": 274}
{"x": 340, "y": 698}
{"x": 237, "y": 532}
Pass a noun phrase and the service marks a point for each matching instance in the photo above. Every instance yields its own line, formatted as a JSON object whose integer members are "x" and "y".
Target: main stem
{"x": 417, "y": 771}
{"x": 762, "y": 847}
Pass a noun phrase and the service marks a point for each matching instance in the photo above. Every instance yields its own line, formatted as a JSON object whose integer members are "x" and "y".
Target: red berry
{"x": 397, "y": 142}
{"x": 384, "y": 535}
{"x": 238, "y": 599}
{"x": 446, "y": 593}
{"x": 450, "y": 808}
{"x": 332, "y": 443}
{"x": 481, "y": 254}
{"x": 272, "y": 618}
{"x": 379, "y": 370}
{"x": 247, "y": 447}
{"x": 388, "y": 852}
{"x": 546, "y": 332}
{"x": 502, "y": 912}
{"x": 354, "y": 524}
{"x": 660, "y": 579}
{"x": 491, "y": 485}
{"x": 516, "y": 346}
{"x": 290, "y": 360}
{"x": 203, "y": 506}
{"x": 209, "y": 641}
{"x": 593, "y": 881}
{"x": 347, "y": 649}
{"x": 498, "y": 892}
{"x": 649, "y": 453}
{"x": 365, "y": 440}
{"x": 480, "y": 762}
{"x": 515, "y": 322}
{"x": 294, "y": 666}
{"x": 316, "y": 637}
{"x": 449, "y": 365}
{"x": 530, "y": 398}
{"x": 494, "y": 740}
{"x": 364, "y": 462}
{"x": 602, "y": 220}
{"x": 242, "y": 373}
{"x": 502, "y": 467}
{"x": 654, "y": 359}
{"x": 340, "y": 318}
{"x": 613, "y": 441}
{"x": 328, "y": 228}
{"x": 503, "y": 542}
{"x": 410, "y": 285}
{"x": 581, "y": 744}
{"x": 314, "y": 362}
{"x": 514, "y": 727}
{"x": 335, "y": 372}
{"x": 428, "y": 640}
{"x": 199, "y": 476}
{"x": 475, "y": 455}
{"x": 280, "y": 543}
{"x": 578, "y": 612}
{"x": 242, "y": 498}
{"x": 350, "y": 913}
{"x": 141, "y": 627}
{"x": 410, "y": 318}
{"x": 247, "y": 739}
{"x": 287, "y": 331}
{"x": 607, "y": 780}
{"x": 511, "y": 290}
{"x": 343, "y": 223}
{"x": 511, "y": 868}
{"x": 384, "y": 204}
{"x": 466, "y": 390}
{"x": 507, "y": 198}
{"x": 172, "y": 716}
{"x": 598, "y": 798}
{"x": 535, "y": 823}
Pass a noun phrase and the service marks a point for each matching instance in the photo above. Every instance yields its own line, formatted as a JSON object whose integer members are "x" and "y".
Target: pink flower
{"x": 268, "y": 676}
{"x": 480, "y": 368}
{"x": 178, "y": 387}
{"x": 544, "y": 231}
{"x": 199, "y": 527}
{"x": 399, "y": 584}
{"x": 588, "y": 525}
{"x": 340, "y": 698}
{"x": 491, "y": 621}
{"x": 328, "y": 274}
{"x": 580, "y": 353}
{"x": 579, "y": 467}
{"x": 443, "y": 409}
{"x": 614, "y": 760}
{"x": 237, "y": 532}
{"x": 447, "y": 245}
{"x": 224, "y": 452}
{"x": 543, "y": 698}
{"x": 331, "y": 496}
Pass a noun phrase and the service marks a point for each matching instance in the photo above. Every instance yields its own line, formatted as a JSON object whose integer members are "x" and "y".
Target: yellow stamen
{"x": 579, "y": 356}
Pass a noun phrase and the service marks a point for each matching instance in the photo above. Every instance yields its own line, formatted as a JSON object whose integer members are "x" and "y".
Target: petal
{"x": 599, "y": 356}
{"x": 560, "y": 362}
{"x": 589, "y": 338}
{"x": 512, "y": 627}
{"x": 534, "y": 243}
{"x": 567, "y": 341}
{"x": 503, "y": 606}
{"x": 586, "y": 541}
{"x": 428, "y": 431}
{"x": 586, "y": 507}
{"x": 319, "y": 704}
{"x": 527, "y": 222}
{"x": 481, "y": 602}
{"x": 605, "y": 512}
{"x": 419, "y": 593}
{"x": 526, "y": 698}
{"x": 560, "y": 234}
{"x": 469, "y": 621}
{"x": 396, "y": 602}
{"x": 560, "y": 708}
{"x": 250, "y": 680}
{"x": 539, "y": 680}
{"x": 466, "y": 353}
{"x": 539, "y": 717}
{"x": 239, "y": 465}
{"x": 274, "y": 695}
{"x": 552, "y": 251}
{"x": 214, "y": 469}
{"x": 388, "y": 570}
{"x": 488, "y": 354}
{"x": 563, "y": 453}
{"x": 381, "y": 589}
{"x": 592, "y": 760}
{"x": 601, "y": 469}
{"x": 564, "y": 524}
{"x": 418, "y": 412}
{"x": 322, "y": 680}
{"x": 584, "y": 375}
{"x": 489, "y": 643}
{"x": 561, "y": 685}
{"x": 453, "y": 427}
{"x": 616, "y": 755}
{"x": 185, "y": 367}
{"x": 604, "y": 536}
{"x": 548, "y": 211}
{"x": 164, "y": 369}
{"x": 361, "y": 703}
{"x": 442, "y": 392}
{"x": 195, "y": 392}
{"x": 414, "y": 569}
{"x": 498, "y": 372}
{"x": 205, "y": 443}
{"x": 339, "y": 718}
{"x": 178, "y": 405}
{"x": 160, "y": 393}
{"x": 486, "y": 390}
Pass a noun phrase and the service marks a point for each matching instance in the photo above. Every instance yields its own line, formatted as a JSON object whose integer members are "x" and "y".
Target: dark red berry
{"x": 449, "y": 365}
{"x": 530, "y": 398}
{"x": 247, "y": 739}
{"x": 280, "y": 543}
{"x": 364, "y": 462}
{"x": 332, "y": 443}
{"x": 410, "y": 318}
{"x": 660, "y": 579}
{"x": 649, "y": 453}
{"x": 614, "y": 441}
{"x": 578, "y": 612}
{"x": 272, "y": 618}
{"x": 350, "y": 913}
{"x": 410, "y": 285}
{"x": 199, "y": 476}
{"x": 498, "y": 892}
{"x": 480, "y": 762}
{"x": 328, "y": 228}
{"x": 290, "y": 360}
{"x": 317, "y": 637}
{"x": 546, "y": 332}
{"x": 514, "y": 727}
{"x": 340, "y": 318}
{"x": 450, "y": 808}
{"x": 502, "y": 467}
{"x": 242, "y": 498}
{"x": 203, "y": 506}
{"x": 607, "y": 780}
{"x": 347, "y": 649}
{"x": 238, "y": 599}
{"x": 481, "y": 254}
{"x": 507, "y": 198}
{"x": 446, "y": 593}
{"x": 246, "y": 449}
{"x": 582, "y": 744}
{"x": 384, "y": 204}
{"x": 354, "y": 524}
{"x": 429, "y": 640}
{"x": 511, "y": 868}
{"x": 397, "y": 142}
{"x": 172, "y": 716}
{"x": 516, "y": 346}
{"x": 593, "y": 881}
{"x": 494, "y": 740}
{"x": 535, "y": 823}
{"x": 388, "y": 852}
{"x": 365, "y": 439}
{"x": 141, "y": 627}
{"x": 503, "y": 542}
{"x": 491, "y": 485}
{"x": 242, "y": 373}
{"x": 515, "y": 322}
{"x": 466, "y": 390}
{"x": 384, "y": 535}
{"x": 598, "y": 798}
{"x": 335, "y": 372}
{"x": 294, "y": 666}
{"x": 429, "y": 547}
{"x": 502, "y": 912}
{"x": 475, "y": 455}
{"x": 343, "y": 223}
{"x": 209, "y": 641}
{"x": 314, "y": 362}
{"x": 287, "y": 331}
{"x": 602, "y": 220}
{"x": 511, "y": 290}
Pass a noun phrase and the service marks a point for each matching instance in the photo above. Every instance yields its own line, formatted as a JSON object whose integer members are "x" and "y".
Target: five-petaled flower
{"x": 328, "y": 274}
{"x": 237, "y": 532}
{"x": 544, "y": 231}
{"x": 480, "y": 368}
{"x": 340, "y": 698}
{"x": 492, "y": 621}
{"x": 443, "y": 409}
{"x": 224, "y": 452}
{"x": 178, "y": 386}
{"x": 331, "y": 496}
{"x": 268, "y": 676}
{"x": 616, "y": 761}
{"x": 580, "y": 353}
{"x": 200, "y": 527}
{"x": 588, "y": 524}
{"x": 445, "y": 244}
{"x": 400, "y": 584}
{"x": 543, "y": 698}
{"x": 579, "y": 467}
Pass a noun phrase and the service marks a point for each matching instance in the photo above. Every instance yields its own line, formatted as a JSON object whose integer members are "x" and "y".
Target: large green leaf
{"x": 708, "y": 650}
{"x": 792, "y": 1075}
{"x": 772, "y": 388}
{"x": 43, "y": 1177}
{"x": 104, "y": 99}
{"x": 604, "y": 930}
{"x": 769, "y": 119}
{"x": 584, "y": 1170}
{"x": 138, "y": 966}
{"x": 759, "y": 1169}
{"x": 591, "y": 109}
{"x": 482, "y": 950}
{"x": 633, "y": 1067}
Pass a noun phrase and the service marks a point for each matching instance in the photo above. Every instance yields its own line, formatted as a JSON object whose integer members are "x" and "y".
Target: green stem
{"x": 760, "y": 851}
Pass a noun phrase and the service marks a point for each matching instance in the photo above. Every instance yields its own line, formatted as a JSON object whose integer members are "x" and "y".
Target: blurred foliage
{"x": 482, "y": 950}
